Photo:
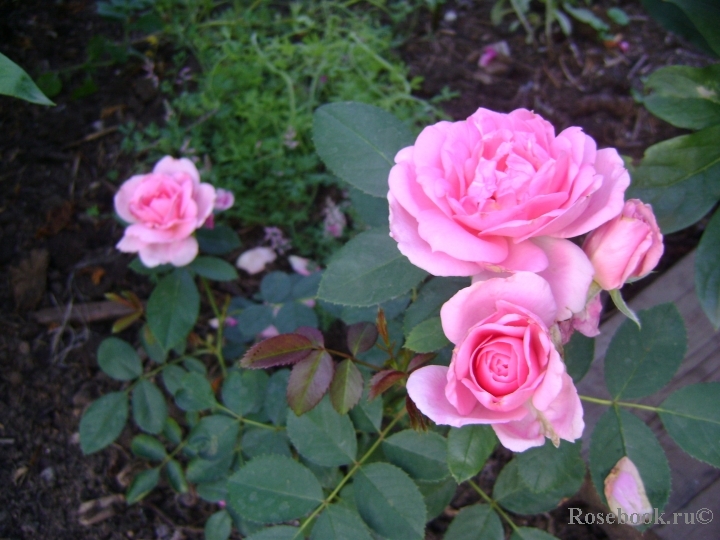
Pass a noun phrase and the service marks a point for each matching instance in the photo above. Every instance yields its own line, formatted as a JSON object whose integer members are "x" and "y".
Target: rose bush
{"x": 628, "y": 246}
{"x": 505, "y": 369}
{"x": 491, "y": 192}
{"x": 163, "y": 209}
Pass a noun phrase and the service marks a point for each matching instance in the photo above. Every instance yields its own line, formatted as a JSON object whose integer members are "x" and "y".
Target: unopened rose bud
{"x": 224, "y": 199}
{"x": 625, "y": 491}
{"x": 628, "y": 246}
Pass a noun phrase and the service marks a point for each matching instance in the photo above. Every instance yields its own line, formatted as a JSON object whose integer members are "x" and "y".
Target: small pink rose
{"x": 505, "y": 370}
{"x": 625, "y": 492}
{"x": 269, "y": 332}
{"x": 163, "y": 209}
{"x": 302, "y": 266}
{"x": 253, "y": 261}
{"x": 479, "y": 194}
{"x": 587, "y": 322}
{"x": 628, "y": 246}
{"x": 224, "y": 200}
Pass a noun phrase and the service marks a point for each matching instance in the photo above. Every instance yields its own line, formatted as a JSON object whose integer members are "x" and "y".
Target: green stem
{"x": 221, "y": 323}
{"x": 612, "y": 403}
{"x": 247, "y": 420}
{"x": 350, "y": 473}
{"x": 173, "y": 453}
{"x": 495, "y": 506}
{"x": 154, "y": 372}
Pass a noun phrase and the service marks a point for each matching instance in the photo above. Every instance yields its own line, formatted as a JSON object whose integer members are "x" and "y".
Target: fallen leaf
{"x": 28, "y": 280}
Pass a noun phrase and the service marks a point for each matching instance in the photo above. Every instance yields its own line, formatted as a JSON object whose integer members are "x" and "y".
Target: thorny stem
{"x": 221, "y": 322}
{"x": 495, "y": 506}
{"x": 351, "y": 472}
{"x": 613, "y": 403}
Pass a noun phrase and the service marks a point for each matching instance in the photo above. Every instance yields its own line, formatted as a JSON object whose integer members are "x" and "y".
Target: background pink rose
{"x": 628, "y": 246}
{"x": 163, "y": 209}
{"x": 505, "y": 370}
{"x": 481, "y": 194}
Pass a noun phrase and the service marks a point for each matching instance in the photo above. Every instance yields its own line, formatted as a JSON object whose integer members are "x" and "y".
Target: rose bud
{"x": 628, "y": 246}
{"x": 625, "y": 492}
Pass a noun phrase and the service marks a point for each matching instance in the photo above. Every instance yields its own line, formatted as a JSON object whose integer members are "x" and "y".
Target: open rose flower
{"x": 628, "y": 246}
{"x": 163, "y": 209}
{"x": 482, "y": 193}
{"x": 505, "y": 370}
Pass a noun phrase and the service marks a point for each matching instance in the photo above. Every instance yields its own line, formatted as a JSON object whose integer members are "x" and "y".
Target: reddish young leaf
{"x": 309, "y": 380}
{"x": 123, "y": 322}
{"x": 277, "y": 351}
{"x": 383, "y": 380}
{"x": 346, "y": 387}
{"x": 420, "y": 360}
{"x": 361, "y": 337}
{"x": 417, "y": 420}
{"x": 382, "y": 327}
{"x": 313, "y": 334}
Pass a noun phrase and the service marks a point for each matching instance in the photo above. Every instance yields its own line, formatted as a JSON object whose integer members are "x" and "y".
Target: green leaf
{"x": 276, "y": 287}
{"x": 172, "y": 431}
{"x": 358, "y": 143}
{"x": 293, "y": 315}
{"x": 281, "y": 532}
{"x": 323, "y": 436}
{"x": 243, "y": 392}
{"x": 691, "y": 417}
{"x": 511, "y": 492}
{"x": 707, "y": 270}
{"x": 103, "y": 421}
{"x": 586, "y": 16}
{"x": 260, "y": 441}
{"x": 195, "y": 393}
{"x": 119, "y": 360}
{"x": 173, "y": 308}
{"x": 253, "y": 320}
{"x": 194, "y": 365}
{"x": 50, "y": 83}
{"x": 476, "y": 521}
{"x": 437, "y": 495}
{"x": 339, "y": 523}
{"x": 176, "y": 477}
{"x": 368, "y": 270}
{"x": 346, "y": 387}
{"x": 618, "y": 16}
{"x": 422, "y": 455}
{"x": 273, "y": 489}
{"x": 147, "y": 447}
{"x": 278, "y": 351}
{"x": 389, "y": 502}
{"x": 213, "y": 268}
{"x": 152, "y": 346}
{"x": 361, "y": 337}
{"x": 671, "y": 15}
{"x": 688, "y": 170}
{"x": 172, "y": 376}
{"x": 16, "y": 83}
{"x": 367, "y": 415}
{"x": 219, "y": 240}
{"x": 428, "y": 336}
{"x": 373, "y": 211}
{"x": 684, "y": 96}
{"x": 639, "y": 362}
{"x": 705, "y": 16}
{"x": 622, "y": 307}
{"x": 530, "y": 533}
{"x": 430, "y": 299}
{"x": 143, "y": 483}
{"x": 205, "y": 470}
{"x": 579, "y": 354}
{"x": 619, "y": 433}
{"x": 149, "y": 408}
{"x": 309, "y": 380}
{"x": 468, "y": 448}
{"x": 546, "y": 468}
{"x": 275, "y": 405}
{"x": 214, "y": 437}
{"x": 218, "y": 526}
{"x": 212, "y": 491}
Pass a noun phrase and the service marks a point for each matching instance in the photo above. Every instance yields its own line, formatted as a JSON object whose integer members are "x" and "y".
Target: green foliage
{"x": 149, "y": 408}
{"x": 477, "y": 521}
{"x": 639, "y": 362}
{"x": 339, "y": 523}
{"x": 579, "y": 353}
{"x": 690, "y": 416}
{"x": 695, "y": 20}
{"x": 528, "y": 533}
{"x": 142, "y": 484}
{"x": 468, "y": 448}
{"x": 428, "y": 336}
{"x": 219, "y": 240}
{"x": 707, "y": 270}
{"x": 16, "y": 83}
{"x": 103, "y": 421}
{"x": 346, "y": 387}
{"x": 422, "y": 455}
{"x": 148, "y": 447}
{"x": 213, "y": 268}
{"x": 119, "y": 360}
{"x": 619, "y": 433}
{"x": 173, "y": 308}
{"x": 218, "y": 526}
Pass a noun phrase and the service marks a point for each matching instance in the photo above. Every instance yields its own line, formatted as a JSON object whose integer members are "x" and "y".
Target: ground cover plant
{"x": 245, "y": 81}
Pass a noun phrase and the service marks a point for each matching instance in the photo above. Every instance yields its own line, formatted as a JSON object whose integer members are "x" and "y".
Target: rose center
{"x": 497, "y": 365}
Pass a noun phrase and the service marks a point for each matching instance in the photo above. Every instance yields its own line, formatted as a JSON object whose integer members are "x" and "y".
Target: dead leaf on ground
{"x": 56, "y": 219}
{"x": 28, "y": 280}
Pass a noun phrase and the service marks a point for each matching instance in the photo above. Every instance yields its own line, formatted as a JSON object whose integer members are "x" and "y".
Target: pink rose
{"x": 628, "y": 246}
{"x": 163, "y": 209}
{"x": 587, "y": 322}
{"x": 625, "y": 493}
{"x": 505, "y": 370}
{"x": 254, "y": 260}
{"x": 224, "y": 200}
{"x": 479, "y": 195}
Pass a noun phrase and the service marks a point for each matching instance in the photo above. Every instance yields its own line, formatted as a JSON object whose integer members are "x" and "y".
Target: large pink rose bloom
{"x": 164, "y": 208}
{"x": 505, "y": 370}
{"x": 479, "y": 194}
{"x": 628, "y": 246}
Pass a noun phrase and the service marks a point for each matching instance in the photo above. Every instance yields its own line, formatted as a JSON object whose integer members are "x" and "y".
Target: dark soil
{"x": 57, "y": 236}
